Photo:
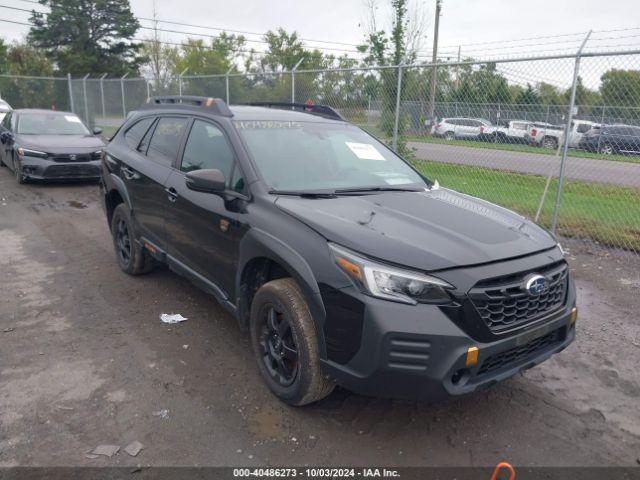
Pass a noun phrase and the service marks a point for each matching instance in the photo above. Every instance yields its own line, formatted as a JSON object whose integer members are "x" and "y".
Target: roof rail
{"x": 320, "y": 110}
{"x": 214, "y": 105}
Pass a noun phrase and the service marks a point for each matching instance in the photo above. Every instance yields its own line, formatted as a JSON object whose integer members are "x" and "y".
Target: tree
{"x": 549, "y": 94}
{"x": 26, "y": 60}
{"x": 528, "y": 96}
{"x": 4, "y": 58}
{"x": 88, "y": 36}
{"x": 620, "y": 88}
{"x": 399, "y": 47}
{"x": 285, "y": 50}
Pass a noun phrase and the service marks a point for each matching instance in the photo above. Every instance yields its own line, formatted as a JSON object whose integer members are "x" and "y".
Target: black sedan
{"x": 49, "y": 145}
{"x": 609, "y": 139}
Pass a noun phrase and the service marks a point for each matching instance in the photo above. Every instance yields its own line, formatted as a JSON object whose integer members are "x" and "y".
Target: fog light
{"x": 472, "y": 356}
{"x": 574, "y": 315}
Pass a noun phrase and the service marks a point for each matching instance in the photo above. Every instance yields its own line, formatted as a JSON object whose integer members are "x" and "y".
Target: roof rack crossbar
{"x": 314, "y": 109}
{"x": 215, "y": 105}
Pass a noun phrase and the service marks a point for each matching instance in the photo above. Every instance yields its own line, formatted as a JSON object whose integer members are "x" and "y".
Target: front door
{"x": 203, "y": 229}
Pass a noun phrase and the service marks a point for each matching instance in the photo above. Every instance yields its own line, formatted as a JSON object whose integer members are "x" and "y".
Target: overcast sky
{"x": 483, "y": 27}
{"x": 463, "y": 21}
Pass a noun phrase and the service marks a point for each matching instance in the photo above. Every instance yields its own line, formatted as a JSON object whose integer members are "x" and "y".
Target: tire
{"x": 550, "y": 143}
{"x": 449, "y": 136}
{"x": 17, "y": 172}
{"x": 132, "y": 257}
{"x": 284, "y": 341}
{"x": 607, "y": 149}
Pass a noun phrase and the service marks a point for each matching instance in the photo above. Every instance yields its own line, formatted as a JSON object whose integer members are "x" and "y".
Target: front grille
{"x": 519, "y": 354}
{"x": 80, "y": 157}
{"x": 504, "y": 304}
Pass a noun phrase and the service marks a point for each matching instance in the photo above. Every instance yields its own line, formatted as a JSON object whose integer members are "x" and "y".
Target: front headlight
{"x": 391, "y": 283}
{"x": 30, "y": 153}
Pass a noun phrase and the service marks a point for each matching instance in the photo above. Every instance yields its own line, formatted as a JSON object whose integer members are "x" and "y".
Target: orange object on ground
{"x": 505, "y": 466}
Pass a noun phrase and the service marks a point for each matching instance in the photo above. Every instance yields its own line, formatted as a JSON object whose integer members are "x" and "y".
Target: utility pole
{"x": 434, "y": 75}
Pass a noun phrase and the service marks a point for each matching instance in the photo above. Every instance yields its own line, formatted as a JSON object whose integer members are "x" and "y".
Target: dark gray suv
{"x": 344, "y": 263}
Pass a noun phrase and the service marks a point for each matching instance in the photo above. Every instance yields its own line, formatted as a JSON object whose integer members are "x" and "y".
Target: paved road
{"x": 588, "y": 169}
{"x": 85, "y": 360}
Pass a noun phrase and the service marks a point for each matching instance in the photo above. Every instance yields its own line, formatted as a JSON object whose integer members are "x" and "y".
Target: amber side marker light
{"x": 472, "y": 356}
{"x": 574, "y": 315}
{"x": 352, "y": 268}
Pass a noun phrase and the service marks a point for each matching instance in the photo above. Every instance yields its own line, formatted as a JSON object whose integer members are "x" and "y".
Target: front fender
{"x": 258, "y": 243}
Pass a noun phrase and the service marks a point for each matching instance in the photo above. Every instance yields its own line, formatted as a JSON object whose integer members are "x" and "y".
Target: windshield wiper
{"x": 303, "y": 194}
{"x": 377, "y": 189}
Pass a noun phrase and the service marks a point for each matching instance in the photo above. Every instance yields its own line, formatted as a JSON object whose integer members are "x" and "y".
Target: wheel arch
{"x": 263, "y": 258}
{"x": 116, "y": 194}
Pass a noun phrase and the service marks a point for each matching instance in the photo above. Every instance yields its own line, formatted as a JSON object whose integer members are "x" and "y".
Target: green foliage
{"x": 26, "y": 60}
{"x": 620, "y": 89}
{"x": 528, "y": 96}
{"x": 88, "y": 36}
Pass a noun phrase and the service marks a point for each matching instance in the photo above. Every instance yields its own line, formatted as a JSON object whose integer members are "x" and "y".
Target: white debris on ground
{"x": 164, "y": 413}
{"x": 172, "y": 318}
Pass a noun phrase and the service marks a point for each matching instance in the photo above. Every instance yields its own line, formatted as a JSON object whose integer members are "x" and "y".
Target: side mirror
{"x": 6, "y": 137}
{"x": 207, "y": 181}
{"x": 97, "y": 130}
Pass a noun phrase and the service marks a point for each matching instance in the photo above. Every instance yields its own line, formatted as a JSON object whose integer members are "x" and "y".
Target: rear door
{"x": 147, "y": 170}
{"x": 204, "y": 229}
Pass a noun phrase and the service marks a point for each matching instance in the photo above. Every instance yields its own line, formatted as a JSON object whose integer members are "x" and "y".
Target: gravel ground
{"x": 85, "y": 360}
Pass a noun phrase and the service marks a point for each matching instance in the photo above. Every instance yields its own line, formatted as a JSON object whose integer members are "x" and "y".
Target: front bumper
{"x": 418, "y": 352}
{"x": 43, "y": 169}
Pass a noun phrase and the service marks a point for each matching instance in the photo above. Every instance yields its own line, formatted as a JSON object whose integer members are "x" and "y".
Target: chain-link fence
{"x": 555, "y": 138}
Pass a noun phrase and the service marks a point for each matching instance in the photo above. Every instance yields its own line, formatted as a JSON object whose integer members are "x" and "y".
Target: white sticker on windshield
{"x": 393, "y": 178}
{"x": 365, "y": 151}
{"x": 72, "y": 118}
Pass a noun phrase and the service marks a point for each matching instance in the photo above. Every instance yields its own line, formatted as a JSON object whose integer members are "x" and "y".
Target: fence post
{"x": 86, "y": 103}
{"x": 180, "y": 81}
{"x": 226, "y": 83}
{"x": 104, "y": 112}
{"x": 148, "y": 89}
{"x": 567, "y": 132}
{"x": 124, "y": 105}
{"x": 293, "y": 81}
{"x": 601, "y": 124}
{"x": 71, "y": 103}
{"x": 396, "y": 123}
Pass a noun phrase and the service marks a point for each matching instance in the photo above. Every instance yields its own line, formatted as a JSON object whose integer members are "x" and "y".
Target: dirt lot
{"x": 85, "y": 360}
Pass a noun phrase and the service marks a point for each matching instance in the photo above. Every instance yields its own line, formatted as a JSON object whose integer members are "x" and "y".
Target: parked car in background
{"x": 511, "y": 131}
{"x": 610, "y": 139}
{"x": 469, "y": 128}
{"x": 4, "y": 109}
{"x": 47, "y": 145}
{"x": 550, "y": 136}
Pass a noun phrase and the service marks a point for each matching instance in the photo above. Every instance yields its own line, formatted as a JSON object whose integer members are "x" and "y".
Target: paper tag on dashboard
{"x": 365, "y": 151}
{"x": 71, "y": 118}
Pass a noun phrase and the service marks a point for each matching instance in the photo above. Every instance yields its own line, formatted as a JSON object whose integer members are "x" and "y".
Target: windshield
{"x": 308, "y": 156}
{"x": 51, "y": 124}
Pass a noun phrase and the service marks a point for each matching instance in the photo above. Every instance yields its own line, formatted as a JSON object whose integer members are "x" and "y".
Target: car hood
{"x": 429, "y": 230}
{"x": 60, "y": 143}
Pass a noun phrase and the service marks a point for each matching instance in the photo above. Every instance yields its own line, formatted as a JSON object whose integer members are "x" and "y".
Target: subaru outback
{"x": 345, "y": 264}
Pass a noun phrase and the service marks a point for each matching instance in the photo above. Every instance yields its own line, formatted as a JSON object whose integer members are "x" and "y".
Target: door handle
{"x": 129, "y": 174}
{"x": 172, "y": 194}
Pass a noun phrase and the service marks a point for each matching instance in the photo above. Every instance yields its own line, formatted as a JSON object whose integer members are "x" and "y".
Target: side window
{"x": 237, "y": 181}
{"x": 137, "y": 131}
{"x": 6, "y": 121}
{"x": 165, "y": 141}
{"x": 206, "y": 148}
{"x": 583, "y": 128}
{"x": 144, "y": 143}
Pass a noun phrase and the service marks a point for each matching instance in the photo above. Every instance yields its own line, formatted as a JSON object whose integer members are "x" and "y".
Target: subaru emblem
{"x": 535, "y": 284}
{"x": 73, "y": 157}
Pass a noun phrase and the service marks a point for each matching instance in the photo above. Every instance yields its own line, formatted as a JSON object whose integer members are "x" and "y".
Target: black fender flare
{"x": 119, "y": 185}
{"x": 258, "y": 243}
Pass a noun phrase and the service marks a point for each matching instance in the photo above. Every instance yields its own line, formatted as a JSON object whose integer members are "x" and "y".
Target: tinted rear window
{"x": 165, "y": 142}
{"x": 137, "y": 131}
